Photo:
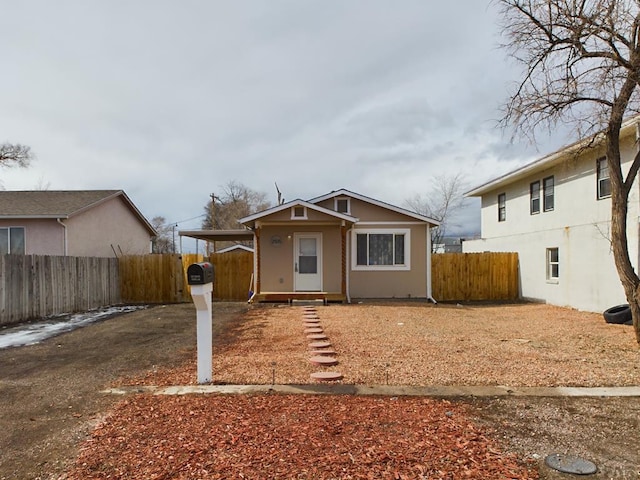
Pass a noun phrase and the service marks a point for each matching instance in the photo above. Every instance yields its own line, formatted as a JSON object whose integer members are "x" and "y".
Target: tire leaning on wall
{"x": 620, "y": 314}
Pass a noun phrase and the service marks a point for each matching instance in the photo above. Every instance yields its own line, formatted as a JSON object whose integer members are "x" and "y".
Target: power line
{"x": 187, "y": 220}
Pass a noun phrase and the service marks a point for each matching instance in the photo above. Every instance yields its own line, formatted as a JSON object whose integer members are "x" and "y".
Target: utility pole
{"x": 213, "y": 223}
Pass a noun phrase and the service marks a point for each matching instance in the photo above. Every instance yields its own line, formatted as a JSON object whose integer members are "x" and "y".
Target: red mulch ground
{"x": 292, "y": 437}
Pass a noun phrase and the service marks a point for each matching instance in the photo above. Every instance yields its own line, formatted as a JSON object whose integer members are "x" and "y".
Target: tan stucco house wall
{"x": 342, "y": 227}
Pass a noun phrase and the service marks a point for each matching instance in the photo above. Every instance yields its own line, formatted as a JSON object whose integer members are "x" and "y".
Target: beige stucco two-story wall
{"x": 578, "y": 227}
{"x": 107, "y": 230}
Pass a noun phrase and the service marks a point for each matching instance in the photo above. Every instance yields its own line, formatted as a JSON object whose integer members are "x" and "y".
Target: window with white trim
{"x": 547, "y": 187}
{"x": 12, "y": 240}
{"x": 602, "y": 178}
{"x": 343, "y": 205}
{"x": 502, "y": 207}
{"x": 299, "y": 212}
{"x": 381, "y": 249}
{"x": 534, "y": 192}
{"x": 553, "y": 264}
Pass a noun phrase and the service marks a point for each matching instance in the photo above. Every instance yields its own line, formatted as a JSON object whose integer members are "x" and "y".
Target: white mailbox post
{"x": 200, "y": 278}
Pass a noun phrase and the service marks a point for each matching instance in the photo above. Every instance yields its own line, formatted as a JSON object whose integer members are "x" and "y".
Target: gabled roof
{"x": 347, "y": 193}
{"x": 295, "y": 203}
{"x": 233, "y": 248}
{"x": 548, "y": 161}
{"x": 61, "y": 204}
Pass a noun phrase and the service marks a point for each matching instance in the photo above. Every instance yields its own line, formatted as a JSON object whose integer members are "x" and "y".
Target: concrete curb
{"x": 384, "y": 390}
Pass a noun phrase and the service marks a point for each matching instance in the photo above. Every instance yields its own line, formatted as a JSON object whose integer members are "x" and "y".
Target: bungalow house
{"x": 83, "y": 223}
{"x": 556, "y": 213}
{"x": 335, "y": 247}
{"x": 339, "y": 246}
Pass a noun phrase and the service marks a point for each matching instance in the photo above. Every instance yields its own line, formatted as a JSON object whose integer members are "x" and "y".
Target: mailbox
{"x": 200, "y": 273}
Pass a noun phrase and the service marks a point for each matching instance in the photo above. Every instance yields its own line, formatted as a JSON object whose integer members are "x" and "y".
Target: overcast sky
{"x": 171, "y": 100}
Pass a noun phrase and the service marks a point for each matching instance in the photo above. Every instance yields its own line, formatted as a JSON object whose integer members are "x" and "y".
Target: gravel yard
{"x": 280, "y": 436}
{"x": 53, "y": 399}
{"x": 425, "y": 344}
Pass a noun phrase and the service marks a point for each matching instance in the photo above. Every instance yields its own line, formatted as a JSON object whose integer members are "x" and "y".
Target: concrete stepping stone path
{"x": 326, "y": 376}
{"x": 320, "y": 350}
{"x": 314, "y": 330}
{"x": 317, "y": 336}
{"x": 324, "y": 361}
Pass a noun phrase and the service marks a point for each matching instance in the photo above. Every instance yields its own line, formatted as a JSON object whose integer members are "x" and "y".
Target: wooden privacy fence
{"x": 475, "y": 276}
{"x": 35, "y": 286}
{"x": 163, "y": 278}
{"x": 152, "y": 279}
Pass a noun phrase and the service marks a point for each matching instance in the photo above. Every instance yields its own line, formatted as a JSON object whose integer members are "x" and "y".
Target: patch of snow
{"x": 32, "y": 333}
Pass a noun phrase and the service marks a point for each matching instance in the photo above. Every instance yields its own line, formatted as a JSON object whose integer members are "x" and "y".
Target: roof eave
{"x": 590, "y": 143}
{"x": 373, "y": 201}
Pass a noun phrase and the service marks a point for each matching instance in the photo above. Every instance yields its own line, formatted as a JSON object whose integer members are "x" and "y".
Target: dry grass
{"x": 423, "y": 344}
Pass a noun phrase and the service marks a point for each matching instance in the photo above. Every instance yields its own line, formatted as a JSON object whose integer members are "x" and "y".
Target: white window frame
{"x": 550, "y": 277}
{"x": 548, "y": 194}
{"x": 601, "y": 179}
{"x": 534, "y": 196}
{"x": 335, "y": 204}
{"x": 24, "y": 236}
{"x": 502, "y": 207}
{"x": 298, "y": 217}
{"x": 383, "y": 231}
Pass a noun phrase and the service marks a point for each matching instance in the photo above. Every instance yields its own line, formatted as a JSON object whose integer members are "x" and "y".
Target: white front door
{"x": 307, "y": 258}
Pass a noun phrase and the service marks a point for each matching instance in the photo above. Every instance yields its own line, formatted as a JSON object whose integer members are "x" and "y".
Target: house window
{"x": 342, "y": 205}
{"x": 603, "y": 180}
{"x": 381, "y": 250}
{"x": 12, "y": 241}
{"x": 553, "y": 264}
{"x": 299, "y": 213}
{"x": 502, "y": 207}
{"x": 534, "y": 190}
{"x": 547, "y": 184}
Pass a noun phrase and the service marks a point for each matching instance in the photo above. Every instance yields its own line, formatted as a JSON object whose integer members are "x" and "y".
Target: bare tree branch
{"x": 15, "y": 155}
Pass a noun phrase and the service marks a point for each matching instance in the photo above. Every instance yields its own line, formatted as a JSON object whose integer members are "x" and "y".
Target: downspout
{"x": 429, "y": 291}
{"x": 256, "y": 252}
{"x": 64, "y": 241}
{"x": 348, "y": 265}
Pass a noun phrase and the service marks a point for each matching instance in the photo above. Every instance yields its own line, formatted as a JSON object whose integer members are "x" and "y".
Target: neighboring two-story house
{"x": 555, "y": 212}
{"x": 81, "y": 223}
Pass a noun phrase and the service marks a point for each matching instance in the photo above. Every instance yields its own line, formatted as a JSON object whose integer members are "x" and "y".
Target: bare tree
{"x": 15, "y": 155}
{"x": 236, "y": 201}
{"x": 164, "y": 241}
{"x": 581, "y": 62}
{"x": 443, "y": 200}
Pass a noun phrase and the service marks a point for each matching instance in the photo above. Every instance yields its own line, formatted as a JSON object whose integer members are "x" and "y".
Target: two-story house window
{"x": 602, "y": 178}
{"x": 534, "y": 190}
{"x": 502, "y": 207}
{"x": 547, "y": 186}
{"x": 553, "y": 264}
{"x": 12, "y": 241}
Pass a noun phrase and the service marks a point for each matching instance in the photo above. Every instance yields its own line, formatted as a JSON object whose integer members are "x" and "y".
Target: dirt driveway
{"x": 50, "y": 391}
{"x": 51, "y": 396}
